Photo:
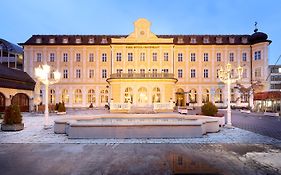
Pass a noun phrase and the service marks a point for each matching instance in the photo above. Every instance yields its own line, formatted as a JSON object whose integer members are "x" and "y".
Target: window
{"x": 103, "y": 57}
{"x": 192, "y": 73}
{"x": 258, "y": 72}
{"x": 65, "y": 73}
{"x": 104, "y": 96}
{"x": 104, "y": 41}
{"x": 91, "y": 96}
{"x": 78, "y": 57}
{"x": 91, "y": 40}
{"x": 206, "y": 73}
{"x": 244, "y": 56}
{"x": 244, "y": 75}
{"x": 205, "y": 96}
{"x": 166, "y": 56}
{"x": 78, "y": 73}
{"x": 245, "y": 97}
{"x": 218, "y": 57}
{"x": 244, "y": 40}
{"x": 179, "y": 73}
{"x": 193, "y": 96}
{"x": 38, "y": 40}
{"x": 180, "y": 40}
{"x": 130, "y": 56}
{"x": 52, "y": 76}
{"x": 91, "y": 73}
{"x": 39, "y": 57}
{"x": 154, "y": 56}
{"x": 154, "y": 72}
{"x": 91, "y": 57}
{"x": 130, "y": 72}
{"x": 156, "y": 95}
{"x": 193, "y": 40}
{"x": 219, "y": 40}
{"x": 118, "y": 56}
{"x": 142, "y": 72}
{"x": 65, "y": 40}
{"x": 232, "y": 73}
{"x": 52, "y": 57}
{"x": 258, "y": 55}
{"x": 218, "y": 70}
{"x": 206, "y": 57}
{"x": 231, "y": 40}
{"x": 231, "y": 57}
{"x": 128, "y": 95}
{"x": 119, "y": 71}
{"x": 52, "y": 96}
{"x": 165, "y": 70}
{"x": 78, "y": 40}
{"x": 65, "y": 57}
{"x": 104, "y": 74}
{"x": 205, "y": 40}
{"x": 78, "y": 96}
{"x": 218, "y": 96}
{"x": 65, "y": 96}
{"x": 179, "y": 57}
{"x": 192, "y": 57}
{"x": 142, "y": 56}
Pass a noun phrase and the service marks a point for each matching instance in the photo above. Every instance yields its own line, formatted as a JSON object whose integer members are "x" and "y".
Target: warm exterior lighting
{"x": 42, "y": 73}
{"x": 226, "y": 77}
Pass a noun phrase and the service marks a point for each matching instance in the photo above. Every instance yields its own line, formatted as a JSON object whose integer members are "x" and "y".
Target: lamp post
{"x": 226, "y": 77}
{"x": 42, "y": 73}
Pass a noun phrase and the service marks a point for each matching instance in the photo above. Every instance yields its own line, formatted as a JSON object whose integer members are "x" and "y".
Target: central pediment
{"x": 142, "y": 34}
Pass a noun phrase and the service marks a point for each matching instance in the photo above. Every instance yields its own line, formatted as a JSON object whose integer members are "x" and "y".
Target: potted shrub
{"x": 210, "y": 109}
{"x": 61, "y": 109}
{"x": 12, "y": 119}
{"x": 91, "y": 106}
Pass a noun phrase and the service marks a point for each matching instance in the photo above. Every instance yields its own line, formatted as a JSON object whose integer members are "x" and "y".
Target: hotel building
{"x": 143, "y": 68}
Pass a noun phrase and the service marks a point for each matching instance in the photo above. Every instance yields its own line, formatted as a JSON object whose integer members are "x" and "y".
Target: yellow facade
{"x": 146, "y": 64}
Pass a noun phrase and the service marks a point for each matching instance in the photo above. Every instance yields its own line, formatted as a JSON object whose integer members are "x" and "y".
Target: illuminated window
{"x": 52, "y": 98}
{"x": 91, "y": 96}
{"x": 104, "y": 96}
{"x": 218, "y": 96}
{"x": 156, "y": 95}
{"x": 128, "y": 95}
{"x": 193, "y": 96}
{"x": 78, "y": 96}
{"x": 205, "y": 96}
{"x": 65, "y": 96}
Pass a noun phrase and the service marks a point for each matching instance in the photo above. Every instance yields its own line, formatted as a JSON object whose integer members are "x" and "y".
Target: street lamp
{"x": 42, "y": 73}
{"x": 227, "y": 77}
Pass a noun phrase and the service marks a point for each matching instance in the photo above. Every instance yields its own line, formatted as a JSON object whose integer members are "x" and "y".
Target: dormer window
{"x": 38, "y": 40}
{"x": 65, "y": 40}
{"x": 193, "y": 40}
{"x": 180, "y": 40}
{"x": 231, "y": 40}
{"x": 78, "y": 40}
{"x": 206, "y": 40}
{"x": 91, "y": 41}
{"x": 244, "y": 40}
{"x": 104, "y": 41}
{"x": 219, "y": 40}
{"x": 52, "y": 40}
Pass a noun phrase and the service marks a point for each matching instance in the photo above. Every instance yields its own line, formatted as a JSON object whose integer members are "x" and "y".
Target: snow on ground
{"x": 35, "y": 133}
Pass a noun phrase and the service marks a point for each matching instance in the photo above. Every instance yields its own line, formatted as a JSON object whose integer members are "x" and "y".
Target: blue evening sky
{"x": 22, "y": 18}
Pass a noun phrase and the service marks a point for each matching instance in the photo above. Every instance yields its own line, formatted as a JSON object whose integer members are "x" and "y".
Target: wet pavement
{"x": 229, "y": 159}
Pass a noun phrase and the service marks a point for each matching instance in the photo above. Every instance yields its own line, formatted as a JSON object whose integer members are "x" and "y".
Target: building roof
{"x": 106, "y": 39}
{"x": 6, "y": 45}
{"x": 269, "y": 95}
{"x": 16, "y": 79}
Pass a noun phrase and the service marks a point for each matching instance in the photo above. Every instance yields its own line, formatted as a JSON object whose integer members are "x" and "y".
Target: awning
{"x": 270, "y": 95}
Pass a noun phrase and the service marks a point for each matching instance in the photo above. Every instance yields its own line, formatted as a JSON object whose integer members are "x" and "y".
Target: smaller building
{"x": 11, "y": 55}
{"x": 16, "y": 87}
{"x": 274, "y": 77}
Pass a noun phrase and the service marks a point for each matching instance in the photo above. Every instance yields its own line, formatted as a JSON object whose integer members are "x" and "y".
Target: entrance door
{"x": 22, "y": 100}
{"x": 2, "y": 102}
{"x": 180, "y": 97}
{"x": 142, "y": 96}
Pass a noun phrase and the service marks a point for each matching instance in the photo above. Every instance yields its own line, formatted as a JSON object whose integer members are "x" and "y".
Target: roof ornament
{"x": 256, "y": 28}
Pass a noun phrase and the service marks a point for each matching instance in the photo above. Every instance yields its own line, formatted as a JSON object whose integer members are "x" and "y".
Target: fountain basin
{"x": 136, "y": 126}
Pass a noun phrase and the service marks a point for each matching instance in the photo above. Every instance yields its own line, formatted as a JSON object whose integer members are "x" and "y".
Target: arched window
{"x": 91, "y": 96}
{"x": 205, "y": 96}
{"x": 128, "y": 95}
{"x": 218, "y": 96}
{"x": 193, "y": 96}
{"x": 78, "y": 96}
{"x": 142, "y": 95}
{"x": 52, "y": 97}
{"x": 65, "y": 96}
{"x": 104, "y": 96}
{"x": 156, "y": 95}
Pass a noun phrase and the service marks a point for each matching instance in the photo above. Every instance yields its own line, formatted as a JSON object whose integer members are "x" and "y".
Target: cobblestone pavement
{"x": 258, "y": 123}
{"x": 228, "y": 159}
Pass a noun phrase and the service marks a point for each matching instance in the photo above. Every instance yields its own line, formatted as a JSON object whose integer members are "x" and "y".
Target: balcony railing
{"x": 142, "y": 75}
